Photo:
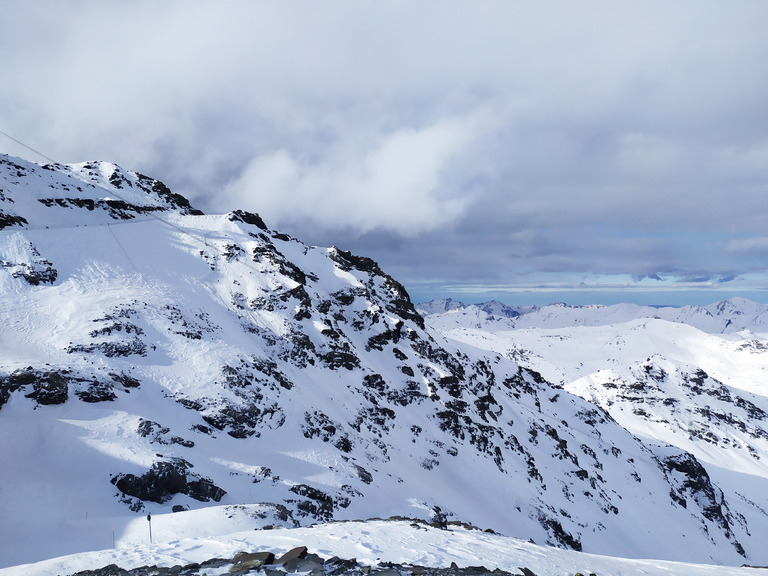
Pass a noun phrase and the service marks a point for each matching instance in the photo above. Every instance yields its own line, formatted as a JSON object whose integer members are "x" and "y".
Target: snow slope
{"x": 155, "y": 358}
{"x": 193, "y": 537}
{"x": 699, "y": 387}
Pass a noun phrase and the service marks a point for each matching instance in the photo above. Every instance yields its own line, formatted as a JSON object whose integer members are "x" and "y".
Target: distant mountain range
{"x": 727, "y": 316}
{"x": 154, "y": 358}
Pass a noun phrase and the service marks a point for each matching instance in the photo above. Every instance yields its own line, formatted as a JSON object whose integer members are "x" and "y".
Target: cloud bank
{"x": 403, "y": 183}
{"x": 471, "y": 147}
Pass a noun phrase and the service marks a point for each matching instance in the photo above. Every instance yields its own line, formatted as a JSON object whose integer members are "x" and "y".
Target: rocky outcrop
{"x": 164, "y": 480}
{"x": 48, "y": 386}
{"x": 159, "y": 434}
{"x": 52, "y": 386}
{"x": 299, "y": 561}
{"x": 693, "y": 483}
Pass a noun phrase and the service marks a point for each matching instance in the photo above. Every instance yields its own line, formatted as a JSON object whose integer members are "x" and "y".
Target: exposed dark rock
{"x": 204, "y": 490}
{"x": 300, "y": 561}
{"x": 34, "y": 269}
{"x": 247, "y": 217}
{"x": 378, "y": 341}
{"x": 176, "y": 200}
{"x": 36, "y": 277}
{"x": 97, "y": 392}
{"x": 125, "y": 380}
{"x": 238, "y": 421}
{"x": 164, "y": 480}
{"x": 117, "y": 209}
{"x": 160, "y": 434}
{"x": 318, "y": 504}
{"x": 344, "y": 444}
{"x": 336, "y": 359}
{"x": 310, "y": 564}
{"x": 398, "y": 301}
{"x": 50, "y": 388}
{"x": 697, "y": 486}
{"x": 363, "y": 474}
{"x": 127, "y": 327}
{"x": 560, "y": 536}
{"x": 317, "y": 424}
{"x": 133, "y": 347}
{"x": 245, "y": 561}
{"x": 7, "y": 220}
{"x": 298, "y": 552}
{"x": 15, "y": 380}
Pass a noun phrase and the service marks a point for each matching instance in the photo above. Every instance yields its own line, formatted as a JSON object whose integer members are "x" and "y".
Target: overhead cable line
{"x": 111, "y": 192}
{"x": 27, "y": 147}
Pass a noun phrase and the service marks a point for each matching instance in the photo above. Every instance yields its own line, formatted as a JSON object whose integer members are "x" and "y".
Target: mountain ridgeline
{"x": 154, "y": 358}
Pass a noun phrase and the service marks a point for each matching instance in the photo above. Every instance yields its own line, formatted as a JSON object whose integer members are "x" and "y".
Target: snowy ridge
{"x": 206, "y": 534}
{"x": 154, "y": 358}
{"x": 725, "y": 317}
{"x": 665, "y": 381}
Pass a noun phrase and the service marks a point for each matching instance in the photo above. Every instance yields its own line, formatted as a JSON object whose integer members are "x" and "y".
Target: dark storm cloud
{"x": 471, "y": 147}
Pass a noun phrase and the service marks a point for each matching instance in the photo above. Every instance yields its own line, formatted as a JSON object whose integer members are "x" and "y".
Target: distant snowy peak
{"x": 727, "y": 316}
{"x": 491, "y": 307}
{"x": 439, "y": 306}
{"x": 496, "y": 308}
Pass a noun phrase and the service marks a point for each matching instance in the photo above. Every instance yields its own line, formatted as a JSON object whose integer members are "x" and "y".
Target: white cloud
{"x": 615, "y": 138}
{"x": 397, "y": 183}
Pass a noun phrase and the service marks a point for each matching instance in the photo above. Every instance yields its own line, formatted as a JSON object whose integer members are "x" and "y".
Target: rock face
{"x": 47, "y": 386}
{"x": 209, "y": 358}
{"x": 163, "y": 481}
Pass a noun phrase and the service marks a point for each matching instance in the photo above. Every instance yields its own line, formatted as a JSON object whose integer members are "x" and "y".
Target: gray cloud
{"x": 464, "y": 145}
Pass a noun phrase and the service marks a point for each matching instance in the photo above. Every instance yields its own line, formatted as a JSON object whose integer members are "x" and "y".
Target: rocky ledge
{"x": 299, "y": 561}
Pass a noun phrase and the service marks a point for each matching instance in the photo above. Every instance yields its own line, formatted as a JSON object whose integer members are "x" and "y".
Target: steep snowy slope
{"x": 665, "y": 381}
{"x": 152, "y": 358}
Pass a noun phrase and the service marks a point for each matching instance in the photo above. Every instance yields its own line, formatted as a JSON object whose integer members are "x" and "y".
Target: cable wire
{"x": 27, "y": 147}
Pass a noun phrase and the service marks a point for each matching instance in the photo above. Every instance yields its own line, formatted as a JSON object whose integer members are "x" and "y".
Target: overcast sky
{"x": 531, "y": 152}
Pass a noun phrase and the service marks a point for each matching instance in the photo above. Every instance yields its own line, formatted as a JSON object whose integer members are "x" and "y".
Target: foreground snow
{"x": 199, "y": 535}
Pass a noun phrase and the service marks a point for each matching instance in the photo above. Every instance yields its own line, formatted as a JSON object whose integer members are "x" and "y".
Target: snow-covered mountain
{"x": 692, "y": 378}
{"x": 724, "y": 317}
{"x": 153, "y": 358}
